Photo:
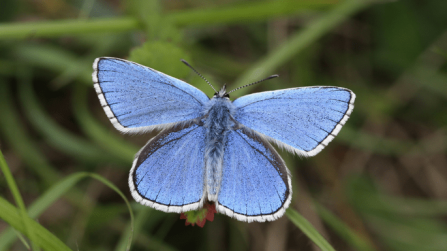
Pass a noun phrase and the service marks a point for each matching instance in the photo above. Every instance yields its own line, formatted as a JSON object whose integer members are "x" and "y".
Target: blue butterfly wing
{"x": 256, "y": 184}
{"x": 167, "y": 174}
{"x": 301, "y": 120}
{"x": 137, "y": 98}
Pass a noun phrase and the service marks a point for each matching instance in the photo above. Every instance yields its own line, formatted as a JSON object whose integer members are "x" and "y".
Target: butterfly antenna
{"x": 257, "y": 82}
{"x": 200, "y": 75}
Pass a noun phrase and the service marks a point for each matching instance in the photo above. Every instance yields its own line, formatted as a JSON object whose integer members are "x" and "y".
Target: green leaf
{"x": 156, "y": 25}
{"x": 162, "y": 56}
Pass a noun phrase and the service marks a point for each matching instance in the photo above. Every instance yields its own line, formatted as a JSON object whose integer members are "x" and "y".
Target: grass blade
{"x": 56, "y": 136}
{"x": 118, "y": 147}
{"x": 113, "y": 187}
{"x": 14, "y": 134}
{"x": 67, "y": 27}
{"x": 308, "y": 230}
{"x": 221, "y": 14}
{"x": 56, "y": 59}
{"x": 44, "y": 238}
{"x": 245, "y": 12}
{"x": 19, "y": 201}
{"x": 298, "y": 42}
{"x": 54, "y": 193}
{"x": 41, "y": 204}
{"x": 345, "y": 232}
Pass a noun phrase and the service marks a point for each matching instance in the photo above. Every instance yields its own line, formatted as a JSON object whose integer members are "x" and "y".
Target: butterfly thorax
{"x": 218, "y": 122}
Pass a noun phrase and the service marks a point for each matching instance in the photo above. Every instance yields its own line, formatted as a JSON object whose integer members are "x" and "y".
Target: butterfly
{"x": 215, "y": 150}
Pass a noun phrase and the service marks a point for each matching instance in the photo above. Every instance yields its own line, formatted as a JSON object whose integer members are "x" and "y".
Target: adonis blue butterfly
{"x": 214, "y": 149}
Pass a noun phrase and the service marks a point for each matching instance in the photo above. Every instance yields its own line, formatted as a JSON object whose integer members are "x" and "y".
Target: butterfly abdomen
{"x": 217, "y": 123}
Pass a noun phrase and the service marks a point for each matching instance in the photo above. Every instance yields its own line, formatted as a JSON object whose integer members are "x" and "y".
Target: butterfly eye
{"x": 227, "y": 95}
{"x": 215, "y": 94}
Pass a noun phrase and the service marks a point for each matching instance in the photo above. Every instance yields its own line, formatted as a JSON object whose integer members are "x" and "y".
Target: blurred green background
{"x": 380, "y": 185}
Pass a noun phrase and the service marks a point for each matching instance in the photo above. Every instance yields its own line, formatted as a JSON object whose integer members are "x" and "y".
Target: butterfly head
{"x": 222, "y": 93}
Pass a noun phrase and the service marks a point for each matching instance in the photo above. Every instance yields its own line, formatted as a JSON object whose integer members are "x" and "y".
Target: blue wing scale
{"x": 167, "y": 174}
{"x": 137, "y": 98}
{"x": 256, "y": 184}
{"x": 302, "y": 120}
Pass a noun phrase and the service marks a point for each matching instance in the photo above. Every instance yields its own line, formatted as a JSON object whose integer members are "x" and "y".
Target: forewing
{"x": 256, "y": 184}
{"x": 167, "y": 174}
{"x": 302, "y": 120}
{"x": 137, "y": 98}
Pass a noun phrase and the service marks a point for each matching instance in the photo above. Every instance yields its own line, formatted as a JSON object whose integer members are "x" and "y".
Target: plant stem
{"x": 65, "y": 27}
{"x": 236, "y": 13}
